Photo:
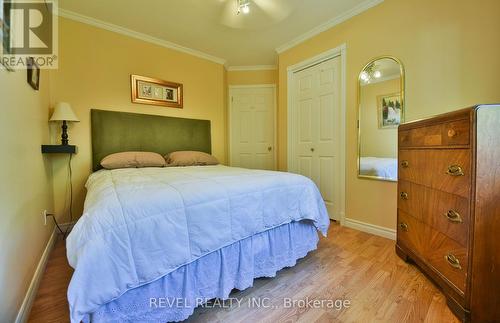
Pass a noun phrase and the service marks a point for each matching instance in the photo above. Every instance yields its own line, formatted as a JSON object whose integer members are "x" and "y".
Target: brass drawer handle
{"x": 405, "y": 164}
{"x": 452, "y": 133}
{"x": 455, "y": 170}
{"x": 403, "y": 226}
{"x": 453, "y": 216}
{"x": 403, "y": 195}
{"x": 453, "y": 261}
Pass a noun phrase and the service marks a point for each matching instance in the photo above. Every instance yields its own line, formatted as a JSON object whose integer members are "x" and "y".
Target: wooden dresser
{"x": 449, "y": 206}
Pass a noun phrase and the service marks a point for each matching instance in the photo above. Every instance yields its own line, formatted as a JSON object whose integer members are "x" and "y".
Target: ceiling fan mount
{"x": 236, "y": 13}
{"x": 243, "y": 6}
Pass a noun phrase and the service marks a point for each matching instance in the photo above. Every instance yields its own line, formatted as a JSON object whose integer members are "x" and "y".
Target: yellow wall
{"x": 252, "y": 77}
{"x": 94, "y": 72}
{"x": 26, "y": 188}
{"x": 377, "y": 142}
{"x": 450, "y": 50}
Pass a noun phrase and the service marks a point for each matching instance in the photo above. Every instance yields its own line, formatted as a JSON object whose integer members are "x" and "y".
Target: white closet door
{"x": 252, "y": 113}
{"x": 316, "y": 132}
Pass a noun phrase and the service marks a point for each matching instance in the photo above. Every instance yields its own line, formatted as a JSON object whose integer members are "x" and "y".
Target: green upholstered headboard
{"x": 114, "y": 132}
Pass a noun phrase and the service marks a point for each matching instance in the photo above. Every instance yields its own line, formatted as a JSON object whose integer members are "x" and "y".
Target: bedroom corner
{"x": 27, "y": 175}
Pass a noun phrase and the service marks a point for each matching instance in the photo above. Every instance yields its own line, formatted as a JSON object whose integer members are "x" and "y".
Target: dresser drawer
{"x": 453, "y": 133}
{"x": 410, "y": 232}
{"x": 411, "y": 198}
{"x": 443, "y": 169}
{"x": 447, "y": 257}
{"x": 447, "y": 213}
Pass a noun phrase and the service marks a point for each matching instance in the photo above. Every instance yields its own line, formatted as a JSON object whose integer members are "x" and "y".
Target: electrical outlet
{"x": 44, "y": 215}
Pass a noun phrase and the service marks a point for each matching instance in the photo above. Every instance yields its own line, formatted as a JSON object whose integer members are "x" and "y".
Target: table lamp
{"x": 64, "y": 113}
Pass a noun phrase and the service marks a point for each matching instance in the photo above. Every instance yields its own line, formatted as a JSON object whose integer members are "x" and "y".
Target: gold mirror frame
{"x": 403, "y": 110}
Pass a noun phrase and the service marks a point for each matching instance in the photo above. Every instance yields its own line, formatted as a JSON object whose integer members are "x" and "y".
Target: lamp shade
{"x": 63, "y": 112}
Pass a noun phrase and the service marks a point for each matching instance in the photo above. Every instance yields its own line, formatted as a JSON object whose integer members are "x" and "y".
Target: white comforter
{"x": 140, "y": 224}
{"x": 381, "y": 167}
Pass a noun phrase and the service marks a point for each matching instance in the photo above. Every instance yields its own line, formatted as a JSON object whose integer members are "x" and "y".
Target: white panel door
{"x": 252, "y": 113}
{"x": 316, "y": 132}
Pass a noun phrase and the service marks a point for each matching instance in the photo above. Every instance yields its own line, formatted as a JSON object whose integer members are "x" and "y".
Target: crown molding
{"x": 134, "y": 34}
{"x": 252, "y": 68}
{"x": 329, "y": 24}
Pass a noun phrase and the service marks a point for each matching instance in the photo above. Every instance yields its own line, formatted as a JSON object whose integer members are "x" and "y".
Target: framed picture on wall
{"x": 33, "y": 74}
{"x": 5, "y": 33}
{"x": 147, "y": 90}
{"x": 389, "y": 110}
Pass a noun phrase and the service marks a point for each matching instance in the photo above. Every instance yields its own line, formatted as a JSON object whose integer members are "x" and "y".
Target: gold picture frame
{"x": 148, "y": 90}
{"x": 386, "y": 103}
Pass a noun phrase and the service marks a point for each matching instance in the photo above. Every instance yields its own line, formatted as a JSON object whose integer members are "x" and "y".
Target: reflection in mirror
{"x": 381, "y": 110}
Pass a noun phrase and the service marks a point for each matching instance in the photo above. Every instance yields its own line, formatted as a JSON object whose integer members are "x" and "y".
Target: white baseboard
{"x": 339, "y": 217}
{"x": 25, "y": 309}
{"x": 342, "y": 218}
{"x": 370, "y": 228}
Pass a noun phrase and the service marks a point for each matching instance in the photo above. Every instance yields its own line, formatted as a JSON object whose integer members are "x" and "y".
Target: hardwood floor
{"x": 51, "y": 304}
{"x": 348, "y": 265}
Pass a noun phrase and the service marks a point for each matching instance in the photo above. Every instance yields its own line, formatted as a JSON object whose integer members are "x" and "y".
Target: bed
{"x": 380, "y": 167}
{"x": 155, "y": 243}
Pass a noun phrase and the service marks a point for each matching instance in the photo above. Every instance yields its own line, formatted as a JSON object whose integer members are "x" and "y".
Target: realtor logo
{"x": 29, "y": 29}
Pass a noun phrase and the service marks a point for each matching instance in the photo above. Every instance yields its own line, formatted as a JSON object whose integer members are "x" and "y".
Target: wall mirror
{"x": 381, "y": 110}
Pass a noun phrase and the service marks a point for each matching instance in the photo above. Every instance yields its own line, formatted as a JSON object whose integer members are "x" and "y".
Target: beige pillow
{"x": 133, "y": 159}
{"x": 190, "y": 158}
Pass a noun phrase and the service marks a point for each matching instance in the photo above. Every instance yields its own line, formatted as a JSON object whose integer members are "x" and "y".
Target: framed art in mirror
{"x": 389, "y": 110}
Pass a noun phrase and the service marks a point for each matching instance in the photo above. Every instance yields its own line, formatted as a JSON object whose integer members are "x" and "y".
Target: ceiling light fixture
{"x": 369, "y": 73}
{"x": 245, "y": 9}
{"x": 364, "y": 76}
{"x": 243, "y": 6}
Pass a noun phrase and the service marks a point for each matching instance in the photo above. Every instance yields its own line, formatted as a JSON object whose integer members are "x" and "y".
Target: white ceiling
{"x": 212, "y": 26}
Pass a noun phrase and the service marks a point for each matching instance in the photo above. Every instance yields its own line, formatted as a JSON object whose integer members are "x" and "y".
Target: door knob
{"x": 269, "y": 148}
{"x": 312, "y": 149}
